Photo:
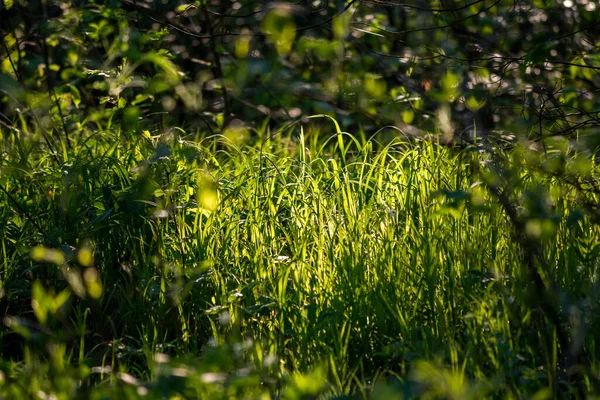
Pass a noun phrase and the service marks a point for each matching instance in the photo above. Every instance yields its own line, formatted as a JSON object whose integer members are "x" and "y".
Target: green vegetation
{"x": 225, "y": 199}
{"x": 389, "y": 268}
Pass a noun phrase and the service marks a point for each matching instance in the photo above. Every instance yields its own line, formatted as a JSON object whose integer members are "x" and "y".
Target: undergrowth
{"x": 160, "y": 264}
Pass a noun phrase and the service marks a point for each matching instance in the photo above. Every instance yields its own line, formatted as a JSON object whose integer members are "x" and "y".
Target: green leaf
{"x": 473, "y": 103}
{"x": 538, "y": 54}
{"x": 280, "y": 29}
{"x": 408, "y": 116}
{"x": 131, "y": 116}
{"x": 75, "y": 95}
{"x": 207, "y": 194}
{"x": 341, "y": 25}
{"x": 169, "y": 68}
{"x": 39, "y": 302}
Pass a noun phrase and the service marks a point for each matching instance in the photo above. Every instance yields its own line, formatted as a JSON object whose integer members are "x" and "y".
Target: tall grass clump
{"x": 295, "y": 265}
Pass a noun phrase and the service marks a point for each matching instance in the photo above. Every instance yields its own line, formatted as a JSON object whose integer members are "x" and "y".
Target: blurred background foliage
{"x": 461, "y": 69}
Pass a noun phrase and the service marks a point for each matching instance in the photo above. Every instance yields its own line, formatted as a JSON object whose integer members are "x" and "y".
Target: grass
{"x": 300, "y": 266}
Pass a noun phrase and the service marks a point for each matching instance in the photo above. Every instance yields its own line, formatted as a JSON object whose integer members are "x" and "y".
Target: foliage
{"x": 185, "y": 215}
{"x": 400, "y": 255}
{"x": 443, "y": 67}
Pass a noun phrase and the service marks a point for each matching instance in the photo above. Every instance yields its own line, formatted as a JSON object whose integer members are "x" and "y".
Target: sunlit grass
{"x": 301, "y": 265}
